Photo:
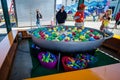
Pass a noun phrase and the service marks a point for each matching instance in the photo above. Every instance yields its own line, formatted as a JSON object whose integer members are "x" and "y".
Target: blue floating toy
{"x": 33, "y": 46}
{"x": 90, "y": 59}
{"x": 75, "y": 67}
{"x": 70, "y": 35}
{"x": 48, "y": 57}
{"x": 63, "y": 36}
{"x": 91, "y": 39}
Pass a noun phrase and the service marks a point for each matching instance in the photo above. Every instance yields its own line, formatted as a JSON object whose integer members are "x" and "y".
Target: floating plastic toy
{"x": 65, "y": 33}
{"x": 71, "y": 64}
{"x": 47, "y": 59}
{"x": 89, "y": 58}
{"x": 69, "y": 38}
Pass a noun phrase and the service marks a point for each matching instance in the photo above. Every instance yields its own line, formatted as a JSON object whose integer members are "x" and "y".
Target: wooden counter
{"x": 109, "y": 72}
{"x": 5, "y": 45}
{"x": 113, "y": 43}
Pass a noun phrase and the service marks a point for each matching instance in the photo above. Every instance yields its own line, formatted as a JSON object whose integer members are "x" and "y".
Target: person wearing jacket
{"x": 79, "y": 16}
{"x": 61, "y": 16}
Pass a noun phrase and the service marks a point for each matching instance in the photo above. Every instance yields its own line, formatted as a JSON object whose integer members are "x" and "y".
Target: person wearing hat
{"x": 79, "y": 16}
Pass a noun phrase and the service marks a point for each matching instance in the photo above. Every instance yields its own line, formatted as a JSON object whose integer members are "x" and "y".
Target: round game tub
{"x": 71, "y": 46}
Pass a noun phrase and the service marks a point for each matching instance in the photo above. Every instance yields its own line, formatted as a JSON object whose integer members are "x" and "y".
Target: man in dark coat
{"x": 61, "y": 16}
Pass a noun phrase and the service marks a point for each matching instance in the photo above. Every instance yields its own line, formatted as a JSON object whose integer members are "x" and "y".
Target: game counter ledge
{"x": 109, "y": 72}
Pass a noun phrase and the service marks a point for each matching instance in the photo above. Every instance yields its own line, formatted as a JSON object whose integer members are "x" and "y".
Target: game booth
{"x": 61, "y": 52}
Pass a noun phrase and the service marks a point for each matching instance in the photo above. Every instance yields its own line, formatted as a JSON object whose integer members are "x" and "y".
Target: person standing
{"x": 79, "y": 16}
{"x": 38, "y": 17}
{"x": 117, "y": 19}
{"x": 105, "y": 21}
{"x": 61, "y": 16}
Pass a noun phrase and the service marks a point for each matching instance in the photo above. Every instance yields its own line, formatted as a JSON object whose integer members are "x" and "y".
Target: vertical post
{"x": 15, "y": 11}
{"x": 65, "y": 2}
{"x": 80, "y": 2}
{"x": 55, "y": 12}
{"x": 117, "y": 7}
{"x": 31, "y": 18}
{"x": 58, "y": 64}
{"x": 6, "y": 15}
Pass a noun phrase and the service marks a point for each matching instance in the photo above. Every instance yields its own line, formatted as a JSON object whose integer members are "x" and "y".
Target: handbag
{"x": 40, "y": 16}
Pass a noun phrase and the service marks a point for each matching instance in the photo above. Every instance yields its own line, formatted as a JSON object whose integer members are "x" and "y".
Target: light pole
{"x": 65, "y": 2}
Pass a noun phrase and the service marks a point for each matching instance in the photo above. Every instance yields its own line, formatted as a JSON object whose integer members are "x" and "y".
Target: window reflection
{"x": 11, "y": 12}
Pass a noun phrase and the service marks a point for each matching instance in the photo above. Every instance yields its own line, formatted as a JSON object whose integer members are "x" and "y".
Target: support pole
{"x": 15, "y": 11}
{"x": 6, "y": 15}
{"x": 80, "y": 2}
{"x": 58, "y": 64}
